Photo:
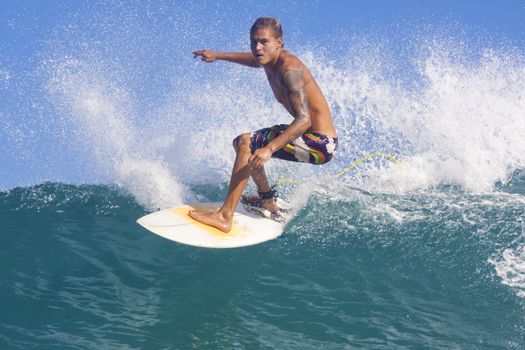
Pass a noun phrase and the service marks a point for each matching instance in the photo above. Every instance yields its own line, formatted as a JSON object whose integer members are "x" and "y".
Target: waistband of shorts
{"x": 320, "y": 135}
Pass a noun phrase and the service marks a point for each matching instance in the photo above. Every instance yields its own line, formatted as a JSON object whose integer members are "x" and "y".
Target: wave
{"x": 460, "y": 125}
{"x": 483, "y": 225}
{"x": 124, "y": 104}
{"x": 445, "y": 257}
{"x": 113, "y": 107}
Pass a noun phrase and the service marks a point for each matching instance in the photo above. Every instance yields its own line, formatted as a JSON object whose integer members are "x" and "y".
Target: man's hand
{"x": 206, "y": 55}
{"x": 259, "y": 157}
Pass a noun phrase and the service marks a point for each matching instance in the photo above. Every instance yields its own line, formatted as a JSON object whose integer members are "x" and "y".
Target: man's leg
{"x": 222, "y": 219}
{"x": 261, "y": 180}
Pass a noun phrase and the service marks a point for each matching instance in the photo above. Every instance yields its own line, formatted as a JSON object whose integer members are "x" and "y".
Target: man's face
{"x": 265, "y": 47}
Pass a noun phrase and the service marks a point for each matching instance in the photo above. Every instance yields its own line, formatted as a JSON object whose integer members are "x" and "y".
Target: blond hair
{"x": 273, "y": 24}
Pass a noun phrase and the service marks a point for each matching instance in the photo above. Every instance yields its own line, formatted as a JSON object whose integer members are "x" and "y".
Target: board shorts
{"x": 311, "y": 147}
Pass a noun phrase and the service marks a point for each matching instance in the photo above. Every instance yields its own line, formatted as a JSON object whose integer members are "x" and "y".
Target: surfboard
{"x": 175, "y": 224}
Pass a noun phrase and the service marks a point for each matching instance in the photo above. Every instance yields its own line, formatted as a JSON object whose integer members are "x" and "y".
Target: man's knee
{"x": 241, "y": 141}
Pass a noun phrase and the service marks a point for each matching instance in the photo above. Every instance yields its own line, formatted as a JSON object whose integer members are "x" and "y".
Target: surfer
{"x": 311, "y": 137}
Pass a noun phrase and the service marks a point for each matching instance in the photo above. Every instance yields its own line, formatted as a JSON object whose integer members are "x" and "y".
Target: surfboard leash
{"x": 344, "y": 171}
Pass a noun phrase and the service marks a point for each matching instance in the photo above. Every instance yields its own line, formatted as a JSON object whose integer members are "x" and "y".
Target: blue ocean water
{"x": 110, "y": 118}
{"x": 78, "y": 272}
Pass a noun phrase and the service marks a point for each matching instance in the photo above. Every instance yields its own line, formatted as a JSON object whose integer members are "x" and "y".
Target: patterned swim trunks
{"x": 311, "y": 147}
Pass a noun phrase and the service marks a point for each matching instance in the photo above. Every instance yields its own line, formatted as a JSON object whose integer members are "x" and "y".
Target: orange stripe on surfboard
{"x": 183, "y": 212}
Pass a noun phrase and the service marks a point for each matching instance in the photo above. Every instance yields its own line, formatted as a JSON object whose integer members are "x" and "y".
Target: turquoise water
{"x": 78, "y": 272}
{"x": 107, "y": 117}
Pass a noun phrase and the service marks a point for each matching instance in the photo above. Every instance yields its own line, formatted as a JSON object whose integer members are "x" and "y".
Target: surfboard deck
{"x": 175, "y": 224}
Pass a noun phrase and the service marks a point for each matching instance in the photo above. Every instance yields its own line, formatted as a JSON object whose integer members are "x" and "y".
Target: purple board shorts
{"x": 311, "y": 147}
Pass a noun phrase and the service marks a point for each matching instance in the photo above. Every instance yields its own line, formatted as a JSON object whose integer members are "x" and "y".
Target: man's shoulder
{"x": 290, "y": 62}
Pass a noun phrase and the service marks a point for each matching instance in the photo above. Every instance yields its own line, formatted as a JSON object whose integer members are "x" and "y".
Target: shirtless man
{"x": 310, "y": 138}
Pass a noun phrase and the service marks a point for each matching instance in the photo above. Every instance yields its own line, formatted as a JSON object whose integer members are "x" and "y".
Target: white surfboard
{"x": 175, "y": 224}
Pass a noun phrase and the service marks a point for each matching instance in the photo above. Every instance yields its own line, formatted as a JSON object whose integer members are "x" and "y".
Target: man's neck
{"x": 271, "y": 65}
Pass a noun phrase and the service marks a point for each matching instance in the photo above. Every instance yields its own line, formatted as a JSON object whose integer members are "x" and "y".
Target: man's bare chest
{"x": 277, "y": 90}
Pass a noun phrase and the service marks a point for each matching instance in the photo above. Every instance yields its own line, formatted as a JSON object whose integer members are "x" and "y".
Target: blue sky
{"x": 31, "y": 30}
{"x": 24, "y": 23}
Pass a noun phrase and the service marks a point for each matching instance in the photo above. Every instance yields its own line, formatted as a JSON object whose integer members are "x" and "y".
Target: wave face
{"x": 428, "y": 252}
{"x": 442, "y": 268}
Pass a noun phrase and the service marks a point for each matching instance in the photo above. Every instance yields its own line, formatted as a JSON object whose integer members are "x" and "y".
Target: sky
{"x": 34, "y": 32}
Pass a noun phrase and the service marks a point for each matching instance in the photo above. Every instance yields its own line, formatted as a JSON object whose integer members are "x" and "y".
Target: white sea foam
{"x": 96, "y": 113}
{"x": 510, "y": 266}
{"x": 5, "y": 78}
{"x": 463, "y": 123}
{"x": 450, "y": 117}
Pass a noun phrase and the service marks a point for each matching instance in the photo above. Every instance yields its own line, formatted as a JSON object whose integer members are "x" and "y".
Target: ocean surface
{"x": 436, "y": 269}
{"x": 420, "y": 246}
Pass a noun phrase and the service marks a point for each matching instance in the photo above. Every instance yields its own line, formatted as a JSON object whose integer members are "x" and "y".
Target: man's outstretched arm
{"x": 244, "y": 58}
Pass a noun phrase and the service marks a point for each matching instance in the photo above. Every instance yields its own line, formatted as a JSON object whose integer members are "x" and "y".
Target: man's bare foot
{"x": 215, "y": 218}
{"x": 269, "y": 204}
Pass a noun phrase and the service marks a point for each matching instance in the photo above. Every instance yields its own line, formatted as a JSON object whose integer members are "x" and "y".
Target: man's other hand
{"x": 259, "y": 157}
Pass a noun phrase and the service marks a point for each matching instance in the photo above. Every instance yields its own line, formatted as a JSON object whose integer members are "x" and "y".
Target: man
{"x": 311, "y": 137}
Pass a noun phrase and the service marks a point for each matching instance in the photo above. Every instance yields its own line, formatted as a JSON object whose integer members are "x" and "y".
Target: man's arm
{"x": 244, "y": 58}
{"x": 294, "y": 84}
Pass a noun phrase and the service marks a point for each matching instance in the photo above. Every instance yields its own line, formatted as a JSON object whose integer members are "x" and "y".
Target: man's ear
{"x": 280, "y": 42}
